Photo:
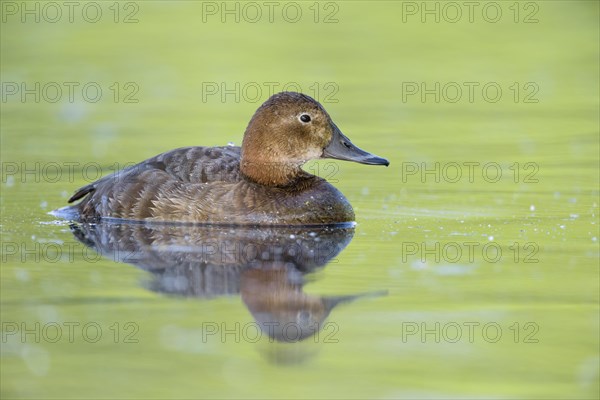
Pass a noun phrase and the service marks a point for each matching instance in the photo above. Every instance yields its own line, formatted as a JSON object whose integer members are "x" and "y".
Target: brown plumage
{"x": 260, "y": 183}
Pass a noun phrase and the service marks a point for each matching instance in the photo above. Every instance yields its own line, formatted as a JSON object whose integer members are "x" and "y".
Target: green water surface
{"x": 483, "y": 230}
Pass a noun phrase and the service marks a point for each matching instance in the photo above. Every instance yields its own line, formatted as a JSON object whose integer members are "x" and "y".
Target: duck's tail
{"x": 82, "y": 192}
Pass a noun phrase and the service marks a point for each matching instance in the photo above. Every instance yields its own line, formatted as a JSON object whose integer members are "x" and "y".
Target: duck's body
{"x": 204, "y": 184}
{"x": 261, "y": 182}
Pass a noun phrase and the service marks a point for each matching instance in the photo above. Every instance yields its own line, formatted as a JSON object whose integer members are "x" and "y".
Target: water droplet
{"x": 22, "y": 274}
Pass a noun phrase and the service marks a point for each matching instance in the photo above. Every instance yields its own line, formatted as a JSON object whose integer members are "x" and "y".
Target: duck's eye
{"x": 303, "y": 317}
{"x": 305, "y": 118}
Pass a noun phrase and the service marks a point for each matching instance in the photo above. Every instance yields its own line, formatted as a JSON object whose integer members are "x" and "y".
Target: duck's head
{"x": 288, "y": 130}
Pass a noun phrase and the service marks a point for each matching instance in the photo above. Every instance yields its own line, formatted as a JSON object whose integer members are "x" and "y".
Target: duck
{"x": 260, "y": 183}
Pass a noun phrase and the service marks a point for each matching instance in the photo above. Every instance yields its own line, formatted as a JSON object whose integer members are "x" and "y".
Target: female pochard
{"x": 260, "y": 183}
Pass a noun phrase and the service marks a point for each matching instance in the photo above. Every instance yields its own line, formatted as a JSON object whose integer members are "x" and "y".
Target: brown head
{"x": 288, "y": 130}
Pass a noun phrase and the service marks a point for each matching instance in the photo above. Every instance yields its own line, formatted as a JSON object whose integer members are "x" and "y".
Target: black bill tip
{"x": 341, "y": 148}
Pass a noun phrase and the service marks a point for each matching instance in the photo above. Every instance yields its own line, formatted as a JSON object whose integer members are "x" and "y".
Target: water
{"x": 472, "y": 270}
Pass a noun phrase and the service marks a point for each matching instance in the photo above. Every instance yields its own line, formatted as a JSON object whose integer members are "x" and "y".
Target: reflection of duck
{"x": 260, "y": 183}
{"x": 265, "y": 265}
{"x": 278, "y": 304}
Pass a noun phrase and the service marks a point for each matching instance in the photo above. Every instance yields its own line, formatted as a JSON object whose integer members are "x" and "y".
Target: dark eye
{"x": 305, "y": 118}
{"x": 303, "y": 317}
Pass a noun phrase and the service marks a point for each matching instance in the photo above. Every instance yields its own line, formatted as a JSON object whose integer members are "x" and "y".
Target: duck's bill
{"x": 331, "y": 302}
{"x": 341, "y": 148}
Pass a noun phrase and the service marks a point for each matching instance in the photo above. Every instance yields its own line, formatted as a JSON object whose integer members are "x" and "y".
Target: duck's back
{"x": 205, "y": 185}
